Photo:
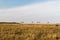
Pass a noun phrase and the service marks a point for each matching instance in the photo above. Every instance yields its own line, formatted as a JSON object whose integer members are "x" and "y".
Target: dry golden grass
{"x": 29, "y": 31}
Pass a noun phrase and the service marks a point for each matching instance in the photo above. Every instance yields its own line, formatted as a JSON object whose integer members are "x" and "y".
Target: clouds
{"x": 44, "y": 12}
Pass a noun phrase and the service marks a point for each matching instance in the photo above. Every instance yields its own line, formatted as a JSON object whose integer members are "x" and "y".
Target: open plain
{"x": 29, "y": 31}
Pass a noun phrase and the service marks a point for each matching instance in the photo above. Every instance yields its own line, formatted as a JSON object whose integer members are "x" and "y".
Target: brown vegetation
{"x": 29, "y": 32}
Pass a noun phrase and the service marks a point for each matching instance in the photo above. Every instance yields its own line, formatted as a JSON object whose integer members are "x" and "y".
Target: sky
{"x": 30, "y": 10}
{"x": 15, "y": 3}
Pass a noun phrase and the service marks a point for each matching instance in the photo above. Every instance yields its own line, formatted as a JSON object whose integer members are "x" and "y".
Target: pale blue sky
{"x": 15, "y": 3}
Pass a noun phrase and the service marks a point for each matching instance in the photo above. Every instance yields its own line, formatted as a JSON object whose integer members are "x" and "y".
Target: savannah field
{"x": 29, "y": 31}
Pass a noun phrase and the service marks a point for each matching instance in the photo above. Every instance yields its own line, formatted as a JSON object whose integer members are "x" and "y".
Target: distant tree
{"x": 32, "y": 22}
{"x": 22, "y": 22}
{"x": 38, "y": 22}
{"x": 48, "y": 22}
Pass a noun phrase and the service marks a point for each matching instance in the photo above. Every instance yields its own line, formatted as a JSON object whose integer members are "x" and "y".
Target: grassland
{"x": 29, "y": 31}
